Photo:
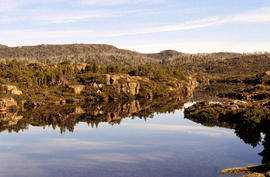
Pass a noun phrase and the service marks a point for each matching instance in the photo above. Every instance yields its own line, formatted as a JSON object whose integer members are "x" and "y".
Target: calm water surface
{"x": 165, "y": 145}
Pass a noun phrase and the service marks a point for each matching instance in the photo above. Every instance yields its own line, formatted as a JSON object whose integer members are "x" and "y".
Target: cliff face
{"x": 124, "y": 86}
{"x": 97, "y": 88}
{"x": 11, "y": 89}
{"x": 124, "y": 83}
{"x": 8, "y": 102}
{"x": 187, "y": 88}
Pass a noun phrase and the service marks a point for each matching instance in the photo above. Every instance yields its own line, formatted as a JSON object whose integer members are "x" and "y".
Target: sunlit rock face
{"x": 81, "y": 66}
{"x": 11, "y": 89}
{"x": 124, "y": 83}
{"x": 187, "y": 88}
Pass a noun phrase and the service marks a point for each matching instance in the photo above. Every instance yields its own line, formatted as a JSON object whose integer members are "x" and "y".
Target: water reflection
{"x": 67, "y": 116}
{"x": 252, "y": 132}
{"x": 165, "y": 145}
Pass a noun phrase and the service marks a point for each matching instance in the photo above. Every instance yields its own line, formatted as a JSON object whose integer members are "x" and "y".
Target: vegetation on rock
{"x": 38, "y": 83}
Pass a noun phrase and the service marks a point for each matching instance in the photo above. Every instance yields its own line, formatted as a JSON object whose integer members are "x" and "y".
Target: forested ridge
{"x": 209, "y": 63}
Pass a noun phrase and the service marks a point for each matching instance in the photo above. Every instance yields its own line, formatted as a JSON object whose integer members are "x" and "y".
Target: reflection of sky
{"x": 167, "y": 145}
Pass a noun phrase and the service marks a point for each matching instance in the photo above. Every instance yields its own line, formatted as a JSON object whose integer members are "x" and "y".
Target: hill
{"x": 3, "y": 46}
{"x": 166, "y": 54}
{"x": 205, "y": 63}
{"x": 81, "y": 53}
{"x": 223, "y": 63}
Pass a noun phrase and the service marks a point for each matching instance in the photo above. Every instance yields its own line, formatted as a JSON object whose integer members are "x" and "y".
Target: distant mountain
{"x": 3, "y": 46}
{"x": 221, "y": 62}
{"x": 166, "y": 54}
{"x": 84, "y": 53}
{"x": 99, "y": 53}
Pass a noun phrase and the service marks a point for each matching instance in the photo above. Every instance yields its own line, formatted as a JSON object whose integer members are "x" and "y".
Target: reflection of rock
{"x": 10, "y": 119}
{"x": 255, "y": 170}
{"x": 7, "y": 103}
{"x": 130, "y": 88}
{"x": 266, "y": 143}
{"x": 11, "y": 89}
{"x": 249, "y": 123}
{"x": 124, "y": 110}
{"x": 30, "y": 104}
{"x": 237, "y": 115}
{"x": 67, "y": 116}
{"x": 77, "y": 89}
{"x": 79, "y": 110}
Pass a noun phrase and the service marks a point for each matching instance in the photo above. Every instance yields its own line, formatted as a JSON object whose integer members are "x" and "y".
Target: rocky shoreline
{"x": 244, "y": 107}
{"x": 113, "y": 88}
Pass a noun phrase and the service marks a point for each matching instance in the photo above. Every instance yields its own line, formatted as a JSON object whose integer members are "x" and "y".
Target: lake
{"x": 160, "y": 144}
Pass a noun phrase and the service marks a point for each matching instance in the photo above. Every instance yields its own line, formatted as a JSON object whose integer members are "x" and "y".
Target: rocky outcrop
{"x": 250, "y": 171}
{"x": 217, "y": 110}
{"x": 11, "y": 89}
{"x": 81, "y": 66}
{"x": 124, "y": 83}
{"x": 187, "y": 88}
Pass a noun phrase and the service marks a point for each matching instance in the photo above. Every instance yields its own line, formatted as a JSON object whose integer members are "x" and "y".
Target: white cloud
{"x": 260, "y": 15}
{"x": 33, "y": 37}
{"x": 117, "y": 2}
{"x": 178, "y": 27}
{"x": 71, "y": 17}
{"x": 198, "y": 130}
{"x": 71, "y": 143}
{"x": 257, "y": 16}
{"x": 76, "y": 16}
{"x": 18, "y": 5}
{"x": 15, "y": 38}
{"x": 21, "y": 165}
{"x": 41, "y": 16}
{"x": 7, "y": 5}
{"x": 128, "y": 158}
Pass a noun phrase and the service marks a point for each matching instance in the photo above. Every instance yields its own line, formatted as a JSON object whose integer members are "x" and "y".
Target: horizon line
{"x": 132, "y": 50}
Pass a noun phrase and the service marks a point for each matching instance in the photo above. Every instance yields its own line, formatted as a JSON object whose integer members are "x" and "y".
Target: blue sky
{"x": 142, "y": 25}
